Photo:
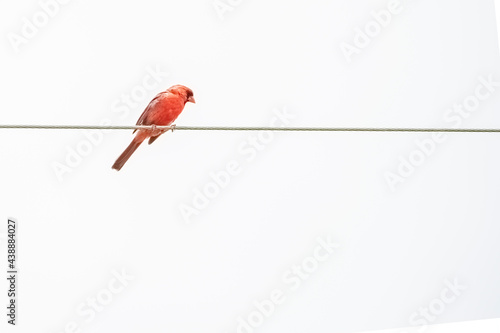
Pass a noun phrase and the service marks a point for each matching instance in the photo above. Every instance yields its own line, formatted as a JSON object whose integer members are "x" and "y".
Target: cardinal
{"x": 161, "y": 111}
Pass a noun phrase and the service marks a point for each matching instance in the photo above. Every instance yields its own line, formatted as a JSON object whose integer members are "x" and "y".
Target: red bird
{"x": 161, "y": 111}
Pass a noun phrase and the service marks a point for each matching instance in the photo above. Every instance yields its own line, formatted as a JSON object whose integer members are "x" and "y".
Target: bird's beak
{"x": 191, "y": 99}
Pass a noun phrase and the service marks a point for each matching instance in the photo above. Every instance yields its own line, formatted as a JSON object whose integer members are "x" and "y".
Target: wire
{"x": 236, "y": 128}
{"x": 336, "y": 129}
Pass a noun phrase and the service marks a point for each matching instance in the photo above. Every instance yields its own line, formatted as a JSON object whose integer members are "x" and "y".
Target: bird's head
{"x": 182, "y": 91}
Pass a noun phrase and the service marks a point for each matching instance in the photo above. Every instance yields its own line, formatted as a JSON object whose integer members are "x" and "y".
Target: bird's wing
{"x": 143, "y": 118}
{"x": 152, "y": 139}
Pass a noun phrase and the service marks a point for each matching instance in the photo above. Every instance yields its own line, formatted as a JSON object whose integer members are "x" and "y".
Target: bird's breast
{"x": 167, "y": 110}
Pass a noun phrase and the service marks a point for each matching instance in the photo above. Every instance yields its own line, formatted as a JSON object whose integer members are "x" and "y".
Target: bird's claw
{"x": 155, "y": 131}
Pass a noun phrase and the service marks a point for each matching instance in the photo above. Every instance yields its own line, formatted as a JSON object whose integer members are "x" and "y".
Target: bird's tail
{"x": 123, "y": 158}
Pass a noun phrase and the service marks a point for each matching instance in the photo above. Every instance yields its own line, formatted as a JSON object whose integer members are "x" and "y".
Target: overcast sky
{"x": 199, "y": 227}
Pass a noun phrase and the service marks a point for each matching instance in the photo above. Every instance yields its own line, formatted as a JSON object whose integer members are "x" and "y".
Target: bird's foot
{"x": 172, "y": 127}
{"x": 156, "y": 131}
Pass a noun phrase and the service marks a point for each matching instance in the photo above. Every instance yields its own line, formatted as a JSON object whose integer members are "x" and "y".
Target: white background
{"x": 397, "y": 246}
